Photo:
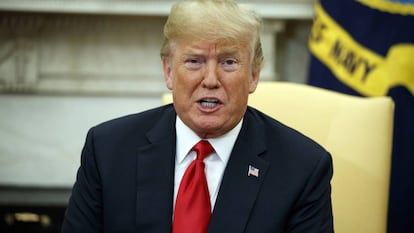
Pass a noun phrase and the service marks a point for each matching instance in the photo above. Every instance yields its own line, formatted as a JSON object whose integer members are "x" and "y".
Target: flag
{"x": 366, "y": 48}
{"x": 253, "y": 171}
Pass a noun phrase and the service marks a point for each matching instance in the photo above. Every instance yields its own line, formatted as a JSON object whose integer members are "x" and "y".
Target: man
{"x": 259, "y": 176}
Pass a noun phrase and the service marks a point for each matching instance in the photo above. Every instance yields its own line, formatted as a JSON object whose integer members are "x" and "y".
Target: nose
{"x": 210, "y": 75}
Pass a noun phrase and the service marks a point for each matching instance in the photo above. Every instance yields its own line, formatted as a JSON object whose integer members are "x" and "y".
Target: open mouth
{"x": 209, "y": 103}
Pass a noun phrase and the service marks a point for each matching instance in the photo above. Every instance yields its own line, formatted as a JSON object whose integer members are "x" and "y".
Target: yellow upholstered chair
{"x": 358, "y": 133}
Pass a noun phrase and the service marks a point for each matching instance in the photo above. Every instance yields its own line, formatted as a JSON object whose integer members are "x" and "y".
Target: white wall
{"x": 41, "y": 137}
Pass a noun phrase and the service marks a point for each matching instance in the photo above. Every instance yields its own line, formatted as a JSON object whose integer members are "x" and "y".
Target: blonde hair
{"x": 214, "y": 20}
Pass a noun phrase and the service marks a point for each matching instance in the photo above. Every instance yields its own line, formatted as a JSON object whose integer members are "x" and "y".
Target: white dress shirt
{"x": 214, "y": 163}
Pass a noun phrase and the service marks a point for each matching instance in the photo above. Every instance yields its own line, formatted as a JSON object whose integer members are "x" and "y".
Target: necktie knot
{"x": 203, "y": 148}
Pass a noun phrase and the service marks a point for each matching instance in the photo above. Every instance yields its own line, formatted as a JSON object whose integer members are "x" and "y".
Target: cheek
{"x": 187, "y": 81}
{"x": 182, "y": 86}
{"x": 238, "y": 92}
{"x": 178, "y": 79}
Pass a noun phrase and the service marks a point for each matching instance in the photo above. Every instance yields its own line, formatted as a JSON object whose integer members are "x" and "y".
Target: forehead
{"x": 189, "y": 46}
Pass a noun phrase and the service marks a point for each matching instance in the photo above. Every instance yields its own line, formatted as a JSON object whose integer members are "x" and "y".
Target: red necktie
{"x": 192, "y": 207}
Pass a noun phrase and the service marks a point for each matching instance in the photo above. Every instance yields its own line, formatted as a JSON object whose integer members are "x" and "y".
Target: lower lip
{"x": 208, "y": 109}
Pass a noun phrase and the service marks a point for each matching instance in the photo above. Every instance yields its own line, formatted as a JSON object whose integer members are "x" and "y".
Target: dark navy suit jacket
{"x": 126, "y": 179}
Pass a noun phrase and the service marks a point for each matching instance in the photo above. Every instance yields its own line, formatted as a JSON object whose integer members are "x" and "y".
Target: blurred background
{"x": 66, "y": 65}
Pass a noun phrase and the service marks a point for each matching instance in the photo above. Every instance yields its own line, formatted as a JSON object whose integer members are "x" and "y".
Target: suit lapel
{"x": 238, "y": 191}
{"x": 155, "y": 177}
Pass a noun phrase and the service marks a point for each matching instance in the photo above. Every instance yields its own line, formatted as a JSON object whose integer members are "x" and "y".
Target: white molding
{"x": 122, "y": 85}
{"x": 69, "y": 84}
{"x": 268, "y": 10}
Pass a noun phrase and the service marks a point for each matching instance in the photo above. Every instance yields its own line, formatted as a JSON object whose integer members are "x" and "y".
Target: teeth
{"x": 209, "y": 103}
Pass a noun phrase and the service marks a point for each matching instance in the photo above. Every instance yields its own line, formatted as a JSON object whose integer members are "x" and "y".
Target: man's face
{"x": 210, "y": 84}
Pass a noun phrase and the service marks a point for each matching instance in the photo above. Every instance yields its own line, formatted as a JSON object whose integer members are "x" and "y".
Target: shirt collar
{"x": 186, "y": 139}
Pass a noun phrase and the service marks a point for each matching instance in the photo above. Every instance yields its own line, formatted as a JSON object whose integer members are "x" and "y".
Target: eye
{"x": 193, "y": 63}
{"x": 229, "y": 64}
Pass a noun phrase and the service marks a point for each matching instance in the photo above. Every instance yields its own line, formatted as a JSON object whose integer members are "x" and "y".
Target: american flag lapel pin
{"x": 253, "y": 171}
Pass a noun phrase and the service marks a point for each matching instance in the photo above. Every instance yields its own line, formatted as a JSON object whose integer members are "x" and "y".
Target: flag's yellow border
{"x": 390, "y": 7}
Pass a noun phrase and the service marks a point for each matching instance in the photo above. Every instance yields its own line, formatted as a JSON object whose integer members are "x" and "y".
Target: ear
{"x": 254, "y": 81}
{"x": 166, "y": 66}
